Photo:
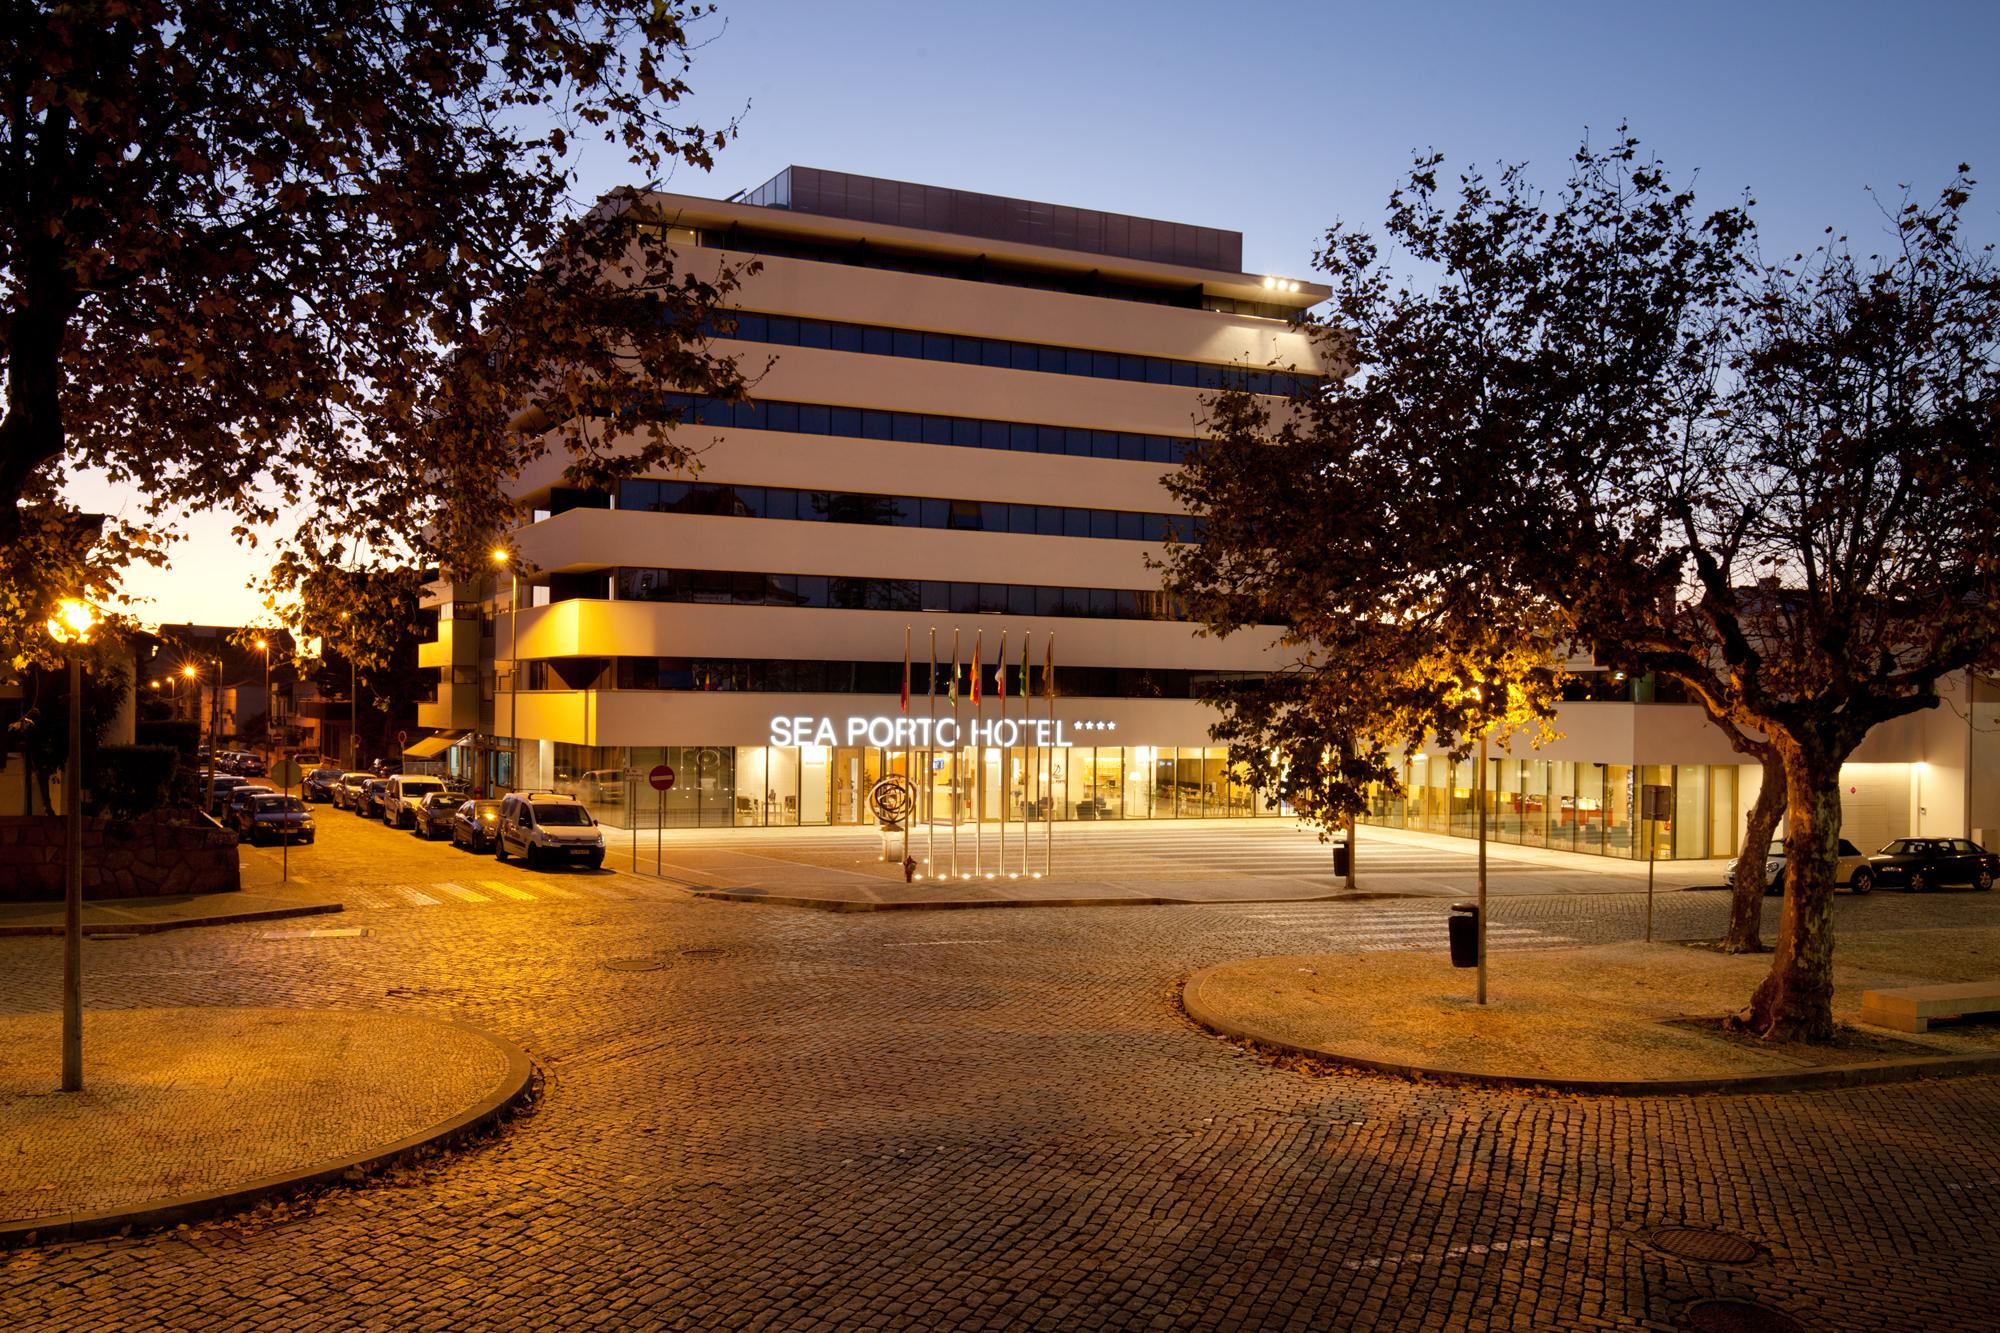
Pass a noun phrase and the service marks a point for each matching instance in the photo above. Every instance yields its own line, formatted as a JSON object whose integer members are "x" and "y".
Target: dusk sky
{"x": 1275, "y": 119}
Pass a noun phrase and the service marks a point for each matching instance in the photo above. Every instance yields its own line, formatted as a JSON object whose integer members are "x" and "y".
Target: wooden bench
{"x": 1912, "y": 1008}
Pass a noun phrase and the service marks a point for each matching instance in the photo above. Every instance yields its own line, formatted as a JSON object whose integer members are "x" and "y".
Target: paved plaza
{"x": 753, "y": 1116}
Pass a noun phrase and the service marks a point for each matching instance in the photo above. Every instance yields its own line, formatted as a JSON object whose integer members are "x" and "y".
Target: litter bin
{"x": 1464, "y": 928}
{"x": 1341, "y": 852}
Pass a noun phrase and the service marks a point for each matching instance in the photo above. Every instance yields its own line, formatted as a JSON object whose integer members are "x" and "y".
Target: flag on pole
{"x": 952, "y": 690}
{"x": 978, "y": 663}
{"x": 1000, "y": 674}
{"x": 906, "y": 668}
{"x": 1049, "y": 669}
{"x": 1026, "y": 693}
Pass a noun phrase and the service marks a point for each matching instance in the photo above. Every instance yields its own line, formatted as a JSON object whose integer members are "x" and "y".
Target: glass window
{"x": 1021, "y": 518}
{"x": 908, "y": 344}
{"x": 1076, "y": 362}
{"x": 845, "y": 338}
{"x": 1051, "y": 360}
{"x": 1025, "y": 357}
{"x": 995, "y": 435}
{"x": 964, "y": 432}
{"x": 877, "y": 342}
{"x": 813, "y": 419}
{"x": 965, "y": 598}
{"x": 845, "y": 421}
{"x": 936, "y": 596}
{"x": 813, "y": 590}
{"x": 877, "y": 425}
{"x": 1020, "y": 600}
{"x": 937, "y": 347}
{"x": 908, "y": 428}
{"x": 937, "y": 430}
{"x": 752, "y": 327}
{"x": 993, "y": 352}
{"x": 815, "y": 333}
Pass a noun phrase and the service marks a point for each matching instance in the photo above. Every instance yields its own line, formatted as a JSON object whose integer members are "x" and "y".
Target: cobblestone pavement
{"x": 1001, "y": 1120}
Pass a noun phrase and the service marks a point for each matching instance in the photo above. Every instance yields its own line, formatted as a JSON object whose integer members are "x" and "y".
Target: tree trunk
{"x": 1351, "y": 822}
{"x": 1795, "y": 1001}
{"x": 1746, "y": 897}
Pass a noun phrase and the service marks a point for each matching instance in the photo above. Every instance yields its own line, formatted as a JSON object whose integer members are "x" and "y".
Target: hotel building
{"x": 970, "y": 405}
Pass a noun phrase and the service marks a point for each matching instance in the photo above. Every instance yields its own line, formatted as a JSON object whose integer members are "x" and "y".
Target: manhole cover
{"x": 1723, "y": 1314}
{"x": 700, "y": 953}
{"x": 634, "y": 964}
{"x": 1707, "y": 1247}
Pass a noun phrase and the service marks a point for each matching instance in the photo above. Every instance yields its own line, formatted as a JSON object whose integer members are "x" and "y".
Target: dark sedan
{"x": 274, "y": 817}
{"x": 319, "y": 784}
{"x": 1924, "y": 863}
{"x": 433, "y": 815}
{"x": 367, "y": 800}
{"x": 473, "y": 824}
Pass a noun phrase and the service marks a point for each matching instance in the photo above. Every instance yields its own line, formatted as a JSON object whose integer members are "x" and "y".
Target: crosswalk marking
{"x": 552, "y": 890}
{"x": 461, "y": 892}
{"x": 417, "y": 897}
{"x": 507, "y": 890}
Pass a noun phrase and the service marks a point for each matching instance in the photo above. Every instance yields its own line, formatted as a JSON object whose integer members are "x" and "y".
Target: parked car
{"x": 240, "y": 796}
{"x": 433, "y": 814}
{"x": 473, "y": 823}
{"x": 1851, "y": 871}
{"x": 348, "y": 790}
{"x": 405, "y": 792}
{"x": 272, "y": 817}
{"x": 543, "y": 826}
{"x": 368, "y": 800}
{"x": 251, "y": 765}
{"x": 1924, "y": 863}
{"x": 218, "y": 796}
{"x": 319, "y": 784}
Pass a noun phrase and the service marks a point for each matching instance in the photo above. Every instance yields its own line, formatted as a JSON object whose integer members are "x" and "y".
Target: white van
{"x": 543, "y": 826}
{"x": 405, "y": 793}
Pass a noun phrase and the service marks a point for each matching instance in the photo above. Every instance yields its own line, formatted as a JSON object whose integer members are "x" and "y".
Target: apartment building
{"x": 970, "y": 406}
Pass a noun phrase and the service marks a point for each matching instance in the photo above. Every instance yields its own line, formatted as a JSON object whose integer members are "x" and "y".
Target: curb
{"x": 960, "y": 904}
{"x": 513, "y": 1089}
{"x": 1863, "y": 1075}
{"x": 182, "y": 923}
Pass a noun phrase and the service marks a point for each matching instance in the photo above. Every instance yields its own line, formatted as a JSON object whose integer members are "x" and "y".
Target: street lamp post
{"x": 353, "y": 705}
{"x": 264, "y": 647}
{"x": 188, "y": 674}
{"x": 501, "y": 556}
{"x": 71, "y": 626}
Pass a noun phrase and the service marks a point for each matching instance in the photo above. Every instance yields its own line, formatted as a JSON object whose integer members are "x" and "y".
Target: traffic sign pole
{"x": 662, "y": 778}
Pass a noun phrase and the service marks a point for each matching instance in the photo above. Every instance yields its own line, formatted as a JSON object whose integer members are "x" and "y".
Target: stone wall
{"x": 121, "y": 859}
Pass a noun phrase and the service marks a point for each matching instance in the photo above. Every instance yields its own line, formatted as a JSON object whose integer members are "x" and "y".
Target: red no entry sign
{"x": 662, "y": 777}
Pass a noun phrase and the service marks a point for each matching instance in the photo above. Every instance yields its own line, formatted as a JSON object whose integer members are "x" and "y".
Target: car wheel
{"x": 532, "y": 857}
{"x": 1774, "y": 886}
{"x": 596, "y": 862}
{"x": 1918, "y": 881}
{"x": 499, "y": 849}
{"x": 1982, "y": 880}
{"x": 1863, "y": 882}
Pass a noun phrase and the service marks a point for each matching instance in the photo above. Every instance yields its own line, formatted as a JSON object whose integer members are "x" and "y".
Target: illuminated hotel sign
{"x": 922, "y": 733}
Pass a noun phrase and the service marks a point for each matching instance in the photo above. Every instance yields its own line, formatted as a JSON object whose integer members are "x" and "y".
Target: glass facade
{"x": 1571, "y": 807}
{"x": 1001, "y": 354}
{"x": 1020, "y": 437}
{"x": 875, "y": 594}
{"x": 727, "y": 500}
{"x": 772, "y": 786}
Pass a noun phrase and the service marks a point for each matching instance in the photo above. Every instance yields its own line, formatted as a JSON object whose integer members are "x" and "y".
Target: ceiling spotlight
{"x": 1270, "y": 282}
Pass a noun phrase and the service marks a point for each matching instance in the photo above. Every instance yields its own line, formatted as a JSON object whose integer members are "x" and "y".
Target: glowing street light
{"x": 71, "y": 627}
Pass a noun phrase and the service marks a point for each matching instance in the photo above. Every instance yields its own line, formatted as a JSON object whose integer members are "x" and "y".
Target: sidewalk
{"x": 146, "y": 916}
{"x": 186, "y": 1112}
{"x": 1625, "y": 1018}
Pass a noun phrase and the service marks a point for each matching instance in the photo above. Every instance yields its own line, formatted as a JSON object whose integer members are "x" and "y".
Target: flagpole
{"x": 930, "y": 810}
{"x": 958, "y": 748}
{"x": 911, "y": 813}
{"x": 1049, "y": 689}
{"x": 1000, "y": 684}
{"x": 978, "y": 757}
{"x": 1028, "y": 753}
